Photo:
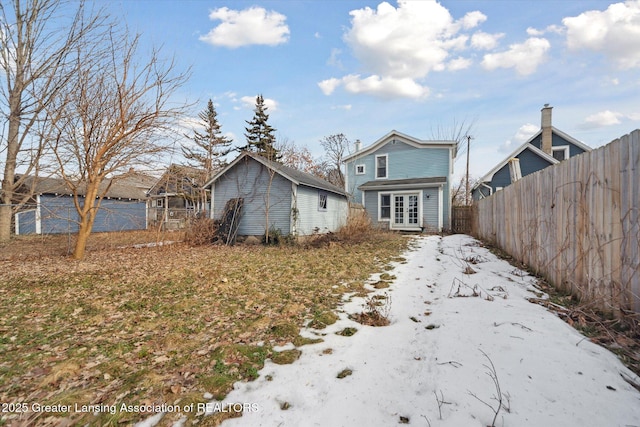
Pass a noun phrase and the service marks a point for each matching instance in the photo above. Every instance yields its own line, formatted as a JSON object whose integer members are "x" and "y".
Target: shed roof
{"x": 122, "y": 187}
{"x": 293, "y": 175}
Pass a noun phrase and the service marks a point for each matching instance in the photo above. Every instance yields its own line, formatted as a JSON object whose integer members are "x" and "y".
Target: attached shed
{"x": 277, "y": 197}
{"x": 52, "y": 210}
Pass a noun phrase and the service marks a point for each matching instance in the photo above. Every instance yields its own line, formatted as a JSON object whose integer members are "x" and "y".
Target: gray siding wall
{"x": 429, "y": 208}
{"x": 58, "y": 215}
{"x": 26, "y": 222}
{"x": 403, "y": 161}
{"x": 529, "y": 163}
{"x": 311, "y": 218}
{"x": 250, "y": 180}
{"x": 556, "y": 141}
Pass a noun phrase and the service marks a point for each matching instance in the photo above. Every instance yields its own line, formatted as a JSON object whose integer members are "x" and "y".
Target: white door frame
{"x": 405, "y": 225}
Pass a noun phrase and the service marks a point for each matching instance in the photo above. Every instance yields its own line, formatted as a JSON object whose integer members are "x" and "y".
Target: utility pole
{"x": 467, "y": 194}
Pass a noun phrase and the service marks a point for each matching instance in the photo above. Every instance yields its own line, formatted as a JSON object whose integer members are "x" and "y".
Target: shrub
{"x": 358, "y": 226}
{"x": 200, "y": 231}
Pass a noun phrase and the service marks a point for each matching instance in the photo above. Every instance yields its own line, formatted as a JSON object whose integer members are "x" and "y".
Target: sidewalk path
{"x": 428, "y": 367}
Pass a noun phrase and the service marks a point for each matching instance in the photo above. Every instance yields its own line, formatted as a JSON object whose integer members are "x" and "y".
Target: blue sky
{"x": 363, "y": 68}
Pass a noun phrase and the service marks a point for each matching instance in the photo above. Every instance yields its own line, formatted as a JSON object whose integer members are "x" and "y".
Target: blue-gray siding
{"x": 530, "y": 162}
{"x": 403, "y": 162}
{"x": 58, "y": 215}
{"x": 254, "y": 182}
{"x": 311, "y": 219}
{"x": 557, "y": 141}
{"x": 430, "y": 208}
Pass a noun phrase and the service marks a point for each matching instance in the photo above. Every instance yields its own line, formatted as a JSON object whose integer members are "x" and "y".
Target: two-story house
{"x": 404, "y": 183}
{"x": 548, "y": 146}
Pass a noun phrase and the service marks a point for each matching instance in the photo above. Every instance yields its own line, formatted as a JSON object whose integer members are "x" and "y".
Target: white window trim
{"x": 326, "y": 201}
{"x": 380, "y": 219}
{"x": 564, "y": 148}
{"x": 420, "y": 195}
{"x": 364, "y": 170}
{"x": 386, "y": 156}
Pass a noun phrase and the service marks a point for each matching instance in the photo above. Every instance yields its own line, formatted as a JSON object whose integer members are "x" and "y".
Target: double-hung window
{"x": 381, "y": 166}
{"x": 322, "y": 200}
{"x": 385, "y": 206}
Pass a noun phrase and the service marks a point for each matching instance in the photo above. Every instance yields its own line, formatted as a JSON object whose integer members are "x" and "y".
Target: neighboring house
{"x": 176, "y": 196}
{"x": 549, "y": 146}
{"x": 52, "y": 209}
{"x": 404, "y": 183}
{"x": 277, "y": 197}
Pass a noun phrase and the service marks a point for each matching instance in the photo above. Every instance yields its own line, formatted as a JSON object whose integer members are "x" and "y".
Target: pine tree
{"x": 210, "y": 145}
{"x": 260, "y": 135}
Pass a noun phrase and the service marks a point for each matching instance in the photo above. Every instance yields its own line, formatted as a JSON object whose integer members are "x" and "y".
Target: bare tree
{"x": 457, "y": 131}
{"x": 117, "y": 113}
{"x": 336, "y": 147}
{"x": 460, "y": 196}
{"x": 36, "y": 40}
{"x": 297, "y": 157}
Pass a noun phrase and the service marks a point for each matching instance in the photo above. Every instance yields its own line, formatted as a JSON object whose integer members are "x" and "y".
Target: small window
{"x": 322, "y": 201}
{"x": 560, "y": 153}
{"x": 385, "y": 206}
{"x": 359, "y": 169}
{"x": 160, "y": 203}
{"x": 381, "y": 166}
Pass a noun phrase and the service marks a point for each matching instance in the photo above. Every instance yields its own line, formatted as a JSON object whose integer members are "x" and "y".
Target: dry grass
{"x": 161, "y": 324}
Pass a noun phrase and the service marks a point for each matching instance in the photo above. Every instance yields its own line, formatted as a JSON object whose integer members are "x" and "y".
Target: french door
{"x": 406, "y": 211}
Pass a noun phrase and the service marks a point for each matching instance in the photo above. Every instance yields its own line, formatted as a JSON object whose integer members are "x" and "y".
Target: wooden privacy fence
{"x": 576, "y": 224}
{"x": 461, "y": 217}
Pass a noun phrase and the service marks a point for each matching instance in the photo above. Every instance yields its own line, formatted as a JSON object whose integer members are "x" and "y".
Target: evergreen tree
{"x": 210, "y": 145}
{"x": 260, "y": 135}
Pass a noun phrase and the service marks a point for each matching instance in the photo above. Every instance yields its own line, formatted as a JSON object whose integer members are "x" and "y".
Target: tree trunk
{"x": 87, "y": 213}
{"x": 13, "y": 147}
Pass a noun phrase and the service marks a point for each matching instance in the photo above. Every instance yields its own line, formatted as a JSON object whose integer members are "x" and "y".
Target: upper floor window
{"x": 560, "y": 153}
{"x": 381, "y": 166}
{"x": 360, "y": 170}
{"x": 322, "y": 201}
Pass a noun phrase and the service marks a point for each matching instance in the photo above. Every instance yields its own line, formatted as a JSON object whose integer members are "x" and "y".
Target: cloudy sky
{"x": 364, "y": 68}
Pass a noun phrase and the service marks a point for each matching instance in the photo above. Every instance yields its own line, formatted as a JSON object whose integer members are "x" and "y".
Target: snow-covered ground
{"x": 432, "y": 365}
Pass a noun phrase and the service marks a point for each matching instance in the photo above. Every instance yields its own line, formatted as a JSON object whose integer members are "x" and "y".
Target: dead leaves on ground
{"x": 162, "y": 325}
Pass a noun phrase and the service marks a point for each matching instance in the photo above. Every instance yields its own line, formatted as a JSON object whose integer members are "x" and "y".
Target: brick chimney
{"x": 546, "y": 130}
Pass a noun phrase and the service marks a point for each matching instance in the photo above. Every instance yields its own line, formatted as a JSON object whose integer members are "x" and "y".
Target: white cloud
{"x": 249, "y": 102}
{"x": 534, "y": 32}
{"x": 602, "y": 119}
{"x": 523, "y": 134}
{"x": 615, "y": 32}
{"x": 473, "y": 19}
{"x": 384, "y": 87}
{"x": 485, "y": 41}
{"x": 398, "y": 46}
{"x": 458, "y": 63}
{"x": 345, "y": 107}
{"x": 253, "y": 26}
{"x": 329, "y": 86}
{"x": 524, "y": 57}
{"x": 408, "y": 41}
{"x": 334, "y": 59}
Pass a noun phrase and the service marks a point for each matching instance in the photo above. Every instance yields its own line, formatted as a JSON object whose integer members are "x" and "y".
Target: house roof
{"x": 168, "y": 182}
{"x": 293, "y": 175}
{"x": 121, "y": 187}
{"x": 528, "y": 146}
{"x": 414, "y": 142}
{"x": 403, "y": 183}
